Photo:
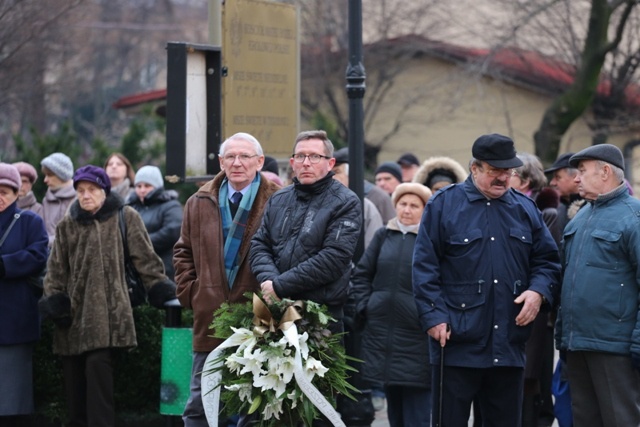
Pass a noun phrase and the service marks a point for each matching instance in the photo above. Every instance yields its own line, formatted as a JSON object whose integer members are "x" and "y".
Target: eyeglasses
{"x": 230, "y": 158}
{"x": 499, "y": 172}
{"x": 313, "y": 158}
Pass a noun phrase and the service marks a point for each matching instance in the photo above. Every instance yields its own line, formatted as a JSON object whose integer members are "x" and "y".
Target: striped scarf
{"x": 233, "y": 229}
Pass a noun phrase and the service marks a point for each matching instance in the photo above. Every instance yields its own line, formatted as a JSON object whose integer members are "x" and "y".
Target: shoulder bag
{"x": 137, "y": 292}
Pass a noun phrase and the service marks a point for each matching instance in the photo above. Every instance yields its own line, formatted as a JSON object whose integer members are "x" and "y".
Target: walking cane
{"x": 441, "y": 384}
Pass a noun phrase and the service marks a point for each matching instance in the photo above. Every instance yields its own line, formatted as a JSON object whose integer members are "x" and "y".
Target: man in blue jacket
{"x": 484, "y": 262}
{"x": 598, "y": 323}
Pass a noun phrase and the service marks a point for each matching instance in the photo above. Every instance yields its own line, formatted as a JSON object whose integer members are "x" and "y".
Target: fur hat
{"x": 10, "y": 176}
{"x": 27, "y": 170}
{"x": 439, "y": 168}
{"x": 94, "y": 175}
{"x": 60, "y": 164}
{"x": 411, "y": 188}
{"x": 390, "y": 167}
{"x": 150, "y": 175}
{"x": 606, "y": 152}
{"x": 497, "y": 150}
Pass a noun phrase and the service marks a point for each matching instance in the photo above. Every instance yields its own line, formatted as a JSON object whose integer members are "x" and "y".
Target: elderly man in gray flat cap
{"x": 598, "y": 325}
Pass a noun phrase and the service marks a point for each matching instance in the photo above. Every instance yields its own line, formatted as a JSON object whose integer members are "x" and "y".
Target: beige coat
{"x": 87, "y": 263}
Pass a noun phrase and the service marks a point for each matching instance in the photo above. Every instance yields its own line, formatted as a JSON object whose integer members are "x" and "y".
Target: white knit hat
{"x": 60, "y": 164}
{"x": 150, "y": 175}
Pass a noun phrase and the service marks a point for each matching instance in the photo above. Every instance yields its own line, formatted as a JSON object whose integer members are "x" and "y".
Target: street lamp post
{"x": 359, "y": 413}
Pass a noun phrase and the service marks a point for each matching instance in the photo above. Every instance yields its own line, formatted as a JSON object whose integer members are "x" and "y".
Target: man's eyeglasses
{"x": 313, "y": 158}
{"x": 230, "y": 158}
{"x": 499, "y": 172}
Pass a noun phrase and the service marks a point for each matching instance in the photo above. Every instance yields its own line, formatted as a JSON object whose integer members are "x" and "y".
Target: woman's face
{"x": 25, "y": 187}
{"x": 142, "y": 189}
{"x": 409, "y": 209}
{"x": 116, "y": 170}
{"x": 7, "y": 196}
{"x": 52, "y": 180}
{"x": 90, "y": 196}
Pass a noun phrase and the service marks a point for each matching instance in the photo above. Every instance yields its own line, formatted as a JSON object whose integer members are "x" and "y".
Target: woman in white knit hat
{"x": 160, "y": 211}
{"x": 58, "y": 175}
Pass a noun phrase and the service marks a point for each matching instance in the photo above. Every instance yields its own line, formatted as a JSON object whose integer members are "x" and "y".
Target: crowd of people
{"x": 471, "y": 279}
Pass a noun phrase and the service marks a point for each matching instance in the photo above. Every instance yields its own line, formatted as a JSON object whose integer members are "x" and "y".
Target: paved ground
{"x": 381, "y": 420}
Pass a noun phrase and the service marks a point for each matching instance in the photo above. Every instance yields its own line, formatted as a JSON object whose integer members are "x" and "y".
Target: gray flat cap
{"x": 605, "y": 152}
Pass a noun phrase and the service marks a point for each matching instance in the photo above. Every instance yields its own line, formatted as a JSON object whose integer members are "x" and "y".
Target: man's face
{"x": 589, "y": 179}
{"x": 340, "y": 174}
{"x": 387, "y": 182}
{"x": 308, "y": 172}
{"x": 408, "y": 172}
{"x": 564, "y": 183}
{"x": 491, "y": 182}
{"x": 240, "y": 162}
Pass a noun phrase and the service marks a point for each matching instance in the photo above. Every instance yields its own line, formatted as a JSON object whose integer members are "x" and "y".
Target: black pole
{"x": 355, "y": 91}
{"x": 359, "y": 413}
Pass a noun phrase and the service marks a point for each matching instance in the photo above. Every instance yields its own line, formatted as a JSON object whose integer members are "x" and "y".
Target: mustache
{"x": 499, "y": 183}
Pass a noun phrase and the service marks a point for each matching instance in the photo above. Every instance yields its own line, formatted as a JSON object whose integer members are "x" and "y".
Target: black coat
{"x": 306, "y": 242}
{"x": 394, "y": 348}
{"x": 162, "y": 216}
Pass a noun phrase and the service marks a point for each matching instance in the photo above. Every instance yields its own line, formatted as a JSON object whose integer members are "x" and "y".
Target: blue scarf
{"x": 233, "y": 228}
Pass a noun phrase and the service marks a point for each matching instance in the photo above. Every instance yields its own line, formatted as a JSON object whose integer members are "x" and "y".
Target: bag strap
{"x": 123, "y": 232}
{"x": 6, "y": 233}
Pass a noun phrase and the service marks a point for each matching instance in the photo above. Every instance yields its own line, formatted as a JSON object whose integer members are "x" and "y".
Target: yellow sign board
{"x": 260, "y": 93}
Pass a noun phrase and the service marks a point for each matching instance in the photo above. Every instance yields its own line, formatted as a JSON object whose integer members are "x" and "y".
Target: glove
{"x": 57, "y": 307}
{"x": 161, "y": 292}
{"x": 635, "y": 358}
{"x": 2, "y": 270}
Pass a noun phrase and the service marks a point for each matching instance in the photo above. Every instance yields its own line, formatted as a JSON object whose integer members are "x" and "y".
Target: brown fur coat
{"x": 87, "y": 263}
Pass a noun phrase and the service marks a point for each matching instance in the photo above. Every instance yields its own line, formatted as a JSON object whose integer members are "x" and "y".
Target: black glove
{"x": 57, "y": 307}
{"x": 161, "y": 292}
{"x": 2, "y": 270}
{"x": 635, "y": 358}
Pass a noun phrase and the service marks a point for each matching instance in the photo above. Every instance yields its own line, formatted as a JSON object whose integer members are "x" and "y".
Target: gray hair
{"x": 619, "y": 173}
{"x": 531, "y": 170}
{"x": 243, "y": 137}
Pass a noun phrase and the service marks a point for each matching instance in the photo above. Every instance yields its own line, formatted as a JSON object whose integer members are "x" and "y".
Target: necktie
{"x": 236, "y": 198}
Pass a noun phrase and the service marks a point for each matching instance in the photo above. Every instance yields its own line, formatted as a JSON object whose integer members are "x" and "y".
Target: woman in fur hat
{"x": 439, "y": 172}
{"x": 394, "y": 348}
{"x": 87, "y": 297}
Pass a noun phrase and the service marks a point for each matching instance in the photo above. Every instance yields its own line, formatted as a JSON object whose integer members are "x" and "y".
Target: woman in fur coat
{"x": 87, "y": 297}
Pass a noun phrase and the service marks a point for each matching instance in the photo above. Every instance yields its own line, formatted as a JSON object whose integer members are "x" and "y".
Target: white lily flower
{"x": 240, "y": 335}
{"x": 243, "y": 390}
{"x": 284, "y": 367}
{"x": 304, "y": 348}
{"x": 273, "y": 409}
{"x": 313, "y": 366}
{"x": 235, "y": 363}
{"x": 253, "y": 362}
{"x": 270, "y": 381}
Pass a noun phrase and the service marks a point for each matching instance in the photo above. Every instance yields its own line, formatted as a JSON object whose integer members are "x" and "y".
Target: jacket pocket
{"x": 523, "y": 236}
{"x": 605, "y": 244}
{"x": 461, "y": 244}
{"x": 467, "y": 305}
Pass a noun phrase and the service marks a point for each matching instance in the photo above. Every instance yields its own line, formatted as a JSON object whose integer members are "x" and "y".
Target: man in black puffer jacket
{"x": 309, "y": 231}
